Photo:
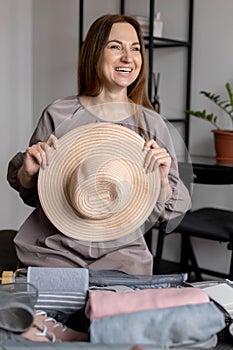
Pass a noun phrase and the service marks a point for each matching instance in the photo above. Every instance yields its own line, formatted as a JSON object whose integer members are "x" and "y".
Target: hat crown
{"x": 99, "y": 187}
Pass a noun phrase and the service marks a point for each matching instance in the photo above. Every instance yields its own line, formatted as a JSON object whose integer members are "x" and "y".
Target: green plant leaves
{"x": 230, "y": 94}
{"x": 225, "y": 105}
{"x": 203, "y": 115}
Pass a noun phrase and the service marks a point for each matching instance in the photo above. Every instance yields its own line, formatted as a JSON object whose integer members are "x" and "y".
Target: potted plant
{"x": 223, "y": 137}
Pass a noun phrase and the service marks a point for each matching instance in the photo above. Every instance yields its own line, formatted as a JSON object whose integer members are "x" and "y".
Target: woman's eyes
{"x": 115, "y": 47}
{"x": 118, "y": 47}
{"x": 136, "y": 49}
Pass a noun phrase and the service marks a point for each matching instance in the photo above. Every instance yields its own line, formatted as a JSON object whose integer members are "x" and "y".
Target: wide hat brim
{"x": 96, "y": 188}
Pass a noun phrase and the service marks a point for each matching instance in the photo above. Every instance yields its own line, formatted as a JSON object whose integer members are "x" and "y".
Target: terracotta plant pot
{"x": 224, "y": 145}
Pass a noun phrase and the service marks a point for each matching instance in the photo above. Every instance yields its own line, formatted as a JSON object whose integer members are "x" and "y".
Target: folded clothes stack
{"x": 115, "y": 309}
{"x": 166, "y": 317}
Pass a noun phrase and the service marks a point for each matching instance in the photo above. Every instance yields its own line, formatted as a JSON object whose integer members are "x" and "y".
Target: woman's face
{"x": 122, "y": 57}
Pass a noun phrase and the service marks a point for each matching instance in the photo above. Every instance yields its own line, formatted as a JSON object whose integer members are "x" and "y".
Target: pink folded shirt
{"x": 107, "y": 303}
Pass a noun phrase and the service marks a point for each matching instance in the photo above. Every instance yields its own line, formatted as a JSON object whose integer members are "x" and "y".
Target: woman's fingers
{"x": 50, "y": 145}
{"x": 156, "y": 157}
{"x": 156, "y": 160}
{"x": 151, "y": 144}
{"x": 33, "y": 159}
{"x": 52, "y": 141}
{"x": 40, "y": 154}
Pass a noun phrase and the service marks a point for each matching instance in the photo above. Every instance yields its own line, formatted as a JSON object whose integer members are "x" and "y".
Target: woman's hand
{"x": 36, "y": 156}
{"x": 158, "y": 157}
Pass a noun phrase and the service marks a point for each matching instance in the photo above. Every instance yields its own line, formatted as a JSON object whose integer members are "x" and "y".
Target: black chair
{"x": 8, "y": 257}
{"x": 207, "y": 223}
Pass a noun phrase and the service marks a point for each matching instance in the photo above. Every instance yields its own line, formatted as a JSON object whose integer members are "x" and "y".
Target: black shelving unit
{"x": 153, "y": 43}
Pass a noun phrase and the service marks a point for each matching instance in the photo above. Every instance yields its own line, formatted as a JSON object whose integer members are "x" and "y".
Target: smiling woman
{"x": 122, "y": 58}
{"x": 112, "y": 78}
{"x": 119, "y": 37}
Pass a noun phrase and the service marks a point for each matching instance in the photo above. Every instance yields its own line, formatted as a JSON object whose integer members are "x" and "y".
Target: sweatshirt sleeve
{"x": 179, "y": 202}
{"x": 51, "y": 118}
{"x": 42, "y": 131}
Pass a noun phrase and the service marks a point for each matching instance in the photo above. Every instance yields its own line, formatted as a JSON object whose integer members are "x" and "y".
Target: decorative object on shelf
{"x": 158, "y": 26}
{"x": 144, "y": 23}
{"x": 156, "y": 102}
{"x": 223, "y": 137}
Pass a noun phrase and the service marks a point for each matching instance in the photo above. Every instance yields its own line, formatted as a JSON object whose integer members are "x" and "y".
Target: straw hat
{"x": 96, "y": 188}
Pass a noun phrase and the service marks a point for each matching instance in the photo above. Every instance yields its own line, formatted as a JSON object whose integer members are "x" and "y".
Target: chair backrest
{"x": 205, "y": 174}
{"x": 8, "y": 257}
{"x": 186, "y": 174}
{"x": 213, "y": 175}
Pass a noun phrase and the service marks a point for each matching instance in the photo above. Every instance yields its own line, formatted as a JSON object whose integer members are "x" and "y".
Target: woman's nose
{"x": 126, "y": 55}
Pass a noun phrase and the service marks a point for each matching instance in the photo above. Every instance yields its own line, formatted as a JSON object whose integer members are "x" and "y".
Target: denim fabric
{"x": 183, "y": 325}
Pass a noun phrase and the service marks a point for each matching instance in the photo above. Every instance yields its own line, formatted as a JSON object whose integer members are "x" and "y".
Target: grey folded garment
{"x": 12, "y": 339}
{"x": 16, "y": 315}
{"x": 102, "y": 278}
{"x": 114, "y": 288}
{"x": 175, "y": 326}
{"x": 60, "y": 289}
{"x": 52, "y": 279}
{"x": 16, "y": 342}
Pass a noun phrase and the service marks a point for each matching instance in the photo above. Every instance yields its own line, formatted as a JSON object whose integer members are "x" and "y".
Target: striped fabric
{"x": 59, "y": 289}
{"x": 66, "y": 302}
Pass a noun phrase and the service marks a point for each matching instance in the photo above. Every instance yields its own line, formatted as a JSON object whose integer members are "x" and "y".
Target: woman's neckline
{"x": 110, "y": 111}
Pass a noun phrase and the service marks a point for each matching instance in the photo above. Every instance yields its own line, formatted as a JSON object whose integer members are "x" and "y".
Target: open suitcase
{"x": 108, "y": 280}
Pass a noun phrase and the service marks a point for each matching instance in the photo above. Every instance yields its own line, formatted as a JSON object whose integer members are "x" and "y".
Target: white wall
{"x": 16, "y": 98}
{"x": 39, "y": 39}
{"x": 39, "y": 46}
{"x": 54, "y": 51}
{"x": 212, "y": 64}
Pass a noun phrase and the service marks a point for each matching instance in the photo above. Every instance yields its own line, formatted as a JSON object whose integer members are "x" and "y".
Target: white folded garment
{"x": 222, "y": 293}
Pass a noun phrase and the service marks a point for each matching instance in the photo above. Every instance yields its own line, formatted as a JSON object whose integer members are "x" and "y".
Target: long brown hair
{"x": 90, "y": 70}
